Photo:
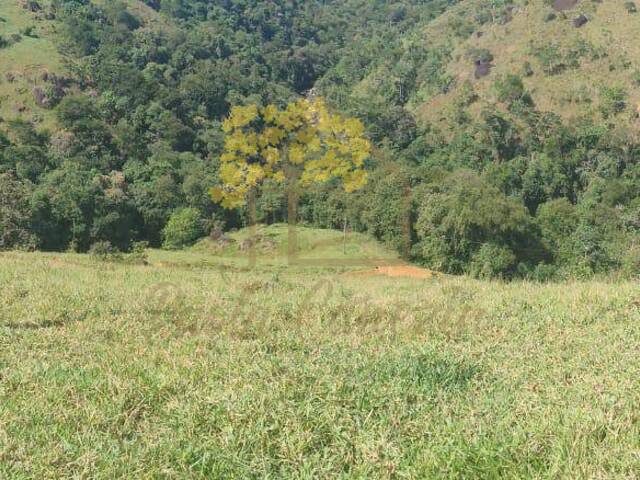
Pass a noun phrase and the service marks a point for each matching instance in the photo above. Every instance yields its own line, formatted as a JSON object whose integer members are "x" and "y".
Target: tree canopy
{"x": 162, "y": 102}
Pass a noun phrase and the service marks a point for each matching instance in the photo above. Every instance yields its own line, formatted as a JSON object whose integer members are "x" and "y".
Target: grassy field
{"x": 197, "y": 366}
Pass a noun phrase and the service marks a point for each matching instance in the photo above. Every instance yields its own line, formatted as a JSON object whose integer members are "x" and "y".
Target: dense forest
{"x": 501, "y": 188}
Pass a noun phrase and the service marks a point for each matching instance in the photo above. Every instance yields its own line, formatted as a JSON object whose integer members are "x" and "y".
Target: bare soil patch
{"x": 406, "y": 271}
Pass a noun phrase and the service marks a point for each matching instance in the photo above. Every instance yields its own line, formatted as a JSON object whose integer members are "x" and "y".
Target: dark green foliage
{"x": 551, "y": 59}
{"x": 104, "y": 251}
{"x": 29, "y": 31}
{"x": 389, "y": 211}
{"x": 15, "y": 214}
{"x": 462, "y": 220}
{"x": 555, "y": 59}
{"x": 558, "y": 221}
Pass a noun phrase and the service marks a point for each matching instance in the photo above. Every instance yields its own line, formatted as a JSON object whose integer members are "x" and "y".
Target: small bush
{"x": 630, "y": 7}
{"x": 106, "y": 252}
{"x": 492, "y": 261}
{"x": 510, "y": 89}
{"x": 480, "y": 55}
{"x": 183, "y": 229}
{"x": 138, "y": 254}
{"x": 613, "y": 100}
{"x": 103, "y": 250}
{"x": 29, "y": 31}
{"x": 542, "y": 273}
{"x": 551, "y": 59}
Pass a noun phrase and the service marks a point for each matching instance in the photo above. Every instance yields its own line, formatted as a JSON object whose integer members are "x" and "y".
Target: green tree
{"x": 462, "y": 219}
{"x": 15, "y": 214}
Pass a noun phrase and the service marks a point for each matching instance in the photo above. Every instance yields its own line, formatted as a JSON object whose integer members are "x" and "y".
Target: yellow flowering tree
{"x": 302, "y": 143}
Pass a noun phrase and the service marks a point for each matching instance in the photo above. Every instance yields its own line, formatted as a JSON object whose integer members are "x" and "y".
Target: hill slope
{"x": 29, "y": 56}
{"x": 568, "y": 70}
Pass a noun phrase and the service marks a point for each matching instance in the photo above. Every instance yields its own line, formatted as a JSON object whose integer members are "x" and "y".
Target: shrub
{"x": 103, "y": 250}
{"x": 183, "y": 229}
{"x": 551, "y": 59}
{"x": 613, "y": 100}
{"x": 29, "y": 31}
{"x": 138, "y": 254}
{"x": 128, "y": 20}
{"x": 492, "y": 261}
{"x": 543, "y": 272}
{"x": 510, "y": 89}
{"x": 106, "y": 252}
{"x": 480, "y": 55}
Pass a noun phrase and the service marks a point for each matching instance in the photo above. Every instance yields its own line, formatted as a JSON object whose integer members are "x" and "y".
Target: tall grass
{"x": 214, "y": 371}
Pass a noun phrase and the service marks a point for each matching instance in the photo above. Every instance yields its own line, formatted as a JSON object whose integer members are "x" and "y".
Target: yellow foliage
{"x": 261, "y": 142}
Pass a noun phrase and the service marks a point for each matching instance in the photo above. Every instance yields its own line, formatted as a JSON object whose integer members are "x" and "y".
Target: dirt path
{"x": 406, "y": 271}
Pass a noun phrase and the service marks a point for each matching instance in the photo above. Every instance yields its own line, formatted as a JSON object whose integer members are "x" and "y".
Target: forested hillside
{"x": 505, "y": 132}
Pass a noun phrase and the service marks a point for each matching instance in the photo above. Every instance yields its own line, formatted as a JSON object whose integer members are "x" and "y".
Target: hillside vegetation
{"x": 505, "y": 135}
{"x": 201, "y": 371}
{"x": 28, "y": 56}
{"x": 567, "y": 70}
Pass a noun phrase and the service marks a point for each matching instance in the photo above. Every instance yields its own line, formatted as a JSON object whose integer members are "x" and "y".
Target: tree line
{"x": 512, "y": 191}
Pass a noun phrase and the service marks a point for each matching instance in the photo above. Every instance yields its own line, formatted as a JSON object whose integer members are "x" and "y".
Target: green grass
{"x": 213, "y": 370}
{"x": 272, "y": 249}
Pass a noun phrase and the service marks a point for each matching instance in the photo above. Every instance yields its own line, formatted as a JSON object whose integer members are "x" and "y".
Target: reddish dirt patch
{"x": 56, "y": 262}
{"x": 406, "y": 271}
{"x": 564, "y": 5}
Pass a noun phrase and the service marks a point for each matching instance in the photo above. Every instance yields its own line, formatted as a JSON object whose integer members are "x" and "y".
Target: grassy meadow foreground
{"x": 194, "y": 367}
